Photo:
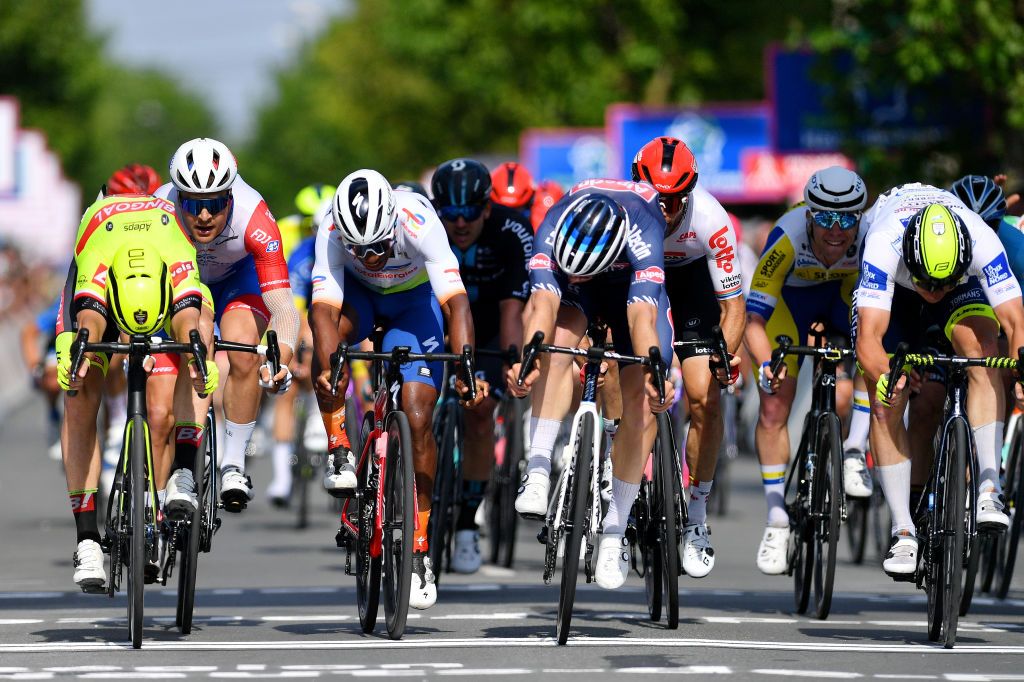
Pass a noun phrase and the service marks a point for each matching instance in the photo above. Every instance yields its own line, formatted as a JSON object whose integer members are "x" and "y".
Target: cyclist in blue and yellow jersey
{"x": 493, "y": 244}
{"x": 807, "y": 273}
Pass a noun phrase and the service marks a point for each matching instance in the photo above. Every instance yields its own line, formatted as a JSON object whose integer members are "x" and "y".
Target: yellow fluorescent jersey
{"x": 110, "y": 223}
{"x": 292, "y": 233}
{"x": 788, "y": 261}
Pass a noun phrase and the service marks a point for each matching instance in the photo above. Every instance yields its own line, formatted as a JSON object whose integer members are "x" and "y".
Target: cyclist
{"x": 382, "y": 258}
{"x": 928, "y": 259}
{"x": 704, "y": 286}
{"x": 238, "y": 249}
{"x": 41, "y": 361}
{"x": 313, "y": 202}
{"x": 133, "y": 269}
{"x": 985, "y": 197}
{"x": 598, "y": 253}
{"x": 493, "y": 244}
{"x": 512, "y": 186}
{"x": 807, "y": 272}
{"x": 548, "y": 192}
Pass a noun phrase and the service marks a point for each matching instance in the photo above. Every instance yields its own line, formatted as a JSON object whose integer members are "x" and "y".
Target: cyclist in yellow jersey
{"x": 133, "y": 269}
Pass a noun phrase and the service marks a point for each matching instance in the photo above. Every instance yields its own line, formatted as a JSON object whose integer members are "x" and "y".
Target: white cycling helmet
{"x": 203, "y": 166}
{"x": 364, "y": 208}
{"x": 835, "y": 189}
{"x": 590, "y": 235}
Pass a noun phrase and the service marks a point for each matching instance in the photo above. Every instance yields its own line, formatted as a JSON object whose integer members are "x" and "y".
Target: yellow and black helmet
{"x": 138, "y": 289}
{"x": 936, "y": 247}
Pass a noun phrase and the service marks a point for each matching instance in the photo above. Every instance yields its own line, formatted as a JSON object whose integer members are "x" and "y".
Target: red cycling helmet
{"x": 134, "y": 178}
{"x": 511, "y": 185}
{"x": 668, "y": 164}
{"x": 548, "y": 192}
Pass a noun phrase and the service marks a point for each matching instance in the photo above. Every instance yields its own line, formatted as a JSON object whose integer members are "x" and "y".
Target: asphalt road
{"x": 275, "y": 602}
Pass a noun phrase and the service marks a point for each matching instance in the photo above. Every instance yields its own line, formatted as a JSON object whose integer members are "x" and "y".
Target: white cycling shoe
{"x": 424, "y": 592}
{"x": 314, "y": 435}
{"x": 89, "y": 573}
{"x": 340, "y": 477}
{"x": 180, "y": 502}
{"x": 235, "y": 489}
{"x": 532, "y": 502}
{"x": 991, "y": 513}
{"x": 773, "y": 552}
{"x": 698, "y": 554}
{"x": 466, "y": 557}
{"x": 612, "y": 561}
{"x": 857, "y": 480}
{"x": 901, "y": 560}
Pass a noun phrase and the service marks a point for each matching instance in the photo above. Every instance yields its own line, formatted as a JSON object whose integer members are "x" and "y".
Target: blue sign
{"x": 805, "y": 88}
{"x": 720, "y": 137}
{"x": 566, "y": 155}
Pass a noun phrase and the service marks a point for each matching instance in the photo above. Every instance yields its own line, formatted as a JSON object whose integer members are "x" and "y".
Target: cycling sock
{"x": 187, "y": 437}
{"x": 697, "y": 510}
{"x": 773, "y": 476}
{"x": 989, "y": 440}
{"x": 236, "y": 442}
{"x": 543, "y": 434}
{"x": 337, "y": 435}
{"x": 860, "y": 423}
{"x": 419, "y": 536}
{"x": 895, "y": 480}
{"x": 282, "y": 459}
{"x": 472, "y": 495}
{"x": 83, "y": 506}
{"x": 623, "y": 496}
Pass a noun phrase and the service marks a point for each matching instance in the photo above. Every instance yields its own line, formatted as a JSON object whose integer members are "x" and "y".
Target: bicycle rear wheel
{"x": 574, "y": 515}
{"x": 367, "y": 567}
{"x": 1014, "y": 492}
{"x": 136, "y": 494}
{"x": 439, "y": 535}
{"x": 669, "y": 497}
{"x": 974, "y": 549}
{"x": 857, "y": 517}
{"x": 802, "y": 562}
{"x": 502, "y": 517}
{"x": 646, "y": 534}
{"x": 399, "y": 524}
{"x": 190, "y": 548}
{"x": 946, "y": 538}
{"x": 827, "y": 503}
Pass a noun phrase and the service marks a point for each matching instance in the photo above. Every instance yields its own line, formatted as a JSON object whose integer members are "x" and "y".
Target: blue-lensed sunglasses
{"x": 826, "y": 219}
{"x": 214, "y": 205}
{"x": 469, "y": 212}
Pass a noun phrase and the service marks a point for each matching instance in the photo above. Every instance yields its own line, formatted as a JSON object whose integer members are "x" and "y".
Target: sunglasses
{"x": 932, "y": 285}
{"x": 214, "y": 205}
{"x": 468, "y": 212}
{"x": 826, "y": 219}
{"x": 671, "y": 204}
{"x": 361, "y": 251}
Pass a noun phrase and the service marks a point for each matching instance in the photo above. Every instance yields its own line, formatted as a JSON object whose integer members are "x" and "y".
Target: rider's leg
{"x": 284, "y": 446}
{"x": 633, "y": 444}
{"x": 704, "y": 397}
{"x": 478, "y": 442}
{"x": 771, "y": 436}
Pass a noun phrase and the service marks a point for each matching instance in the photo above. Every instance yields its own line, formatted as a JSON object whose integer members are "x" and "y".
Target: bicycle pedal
{"x": 341, "y": 493}
{"x": 903, "y": 577}
{"x": 94, "y": 589}
{"x": 542, "y": 536}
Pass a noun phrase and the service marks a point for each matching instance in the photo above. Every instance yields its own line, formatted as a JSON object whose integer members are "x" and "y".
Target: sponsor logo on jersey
{"x": 414, "y": 217}
{"x": 652, "y": 274}
{"x": 997, "y": 270}
{"x": 318, "y": 279}
{"x": 454, "y": 275}
{"x": 771, "y": 262}
{"x": 136, "y": 227}
{"x": 873, "y": 278}
{"x": 273, "y": 246}
{"x": 686, "y": 236}
{"x": 99, "y": 278}
{"x": 179, "y": 271}
{"x": 636, "y": 243}
{"x": 260, "y": 236}
{"x": 541, "y": 261}
{"x": 524, "y": 234}
{"x": 725, "y": 254}
{"x": 639, "y": 188}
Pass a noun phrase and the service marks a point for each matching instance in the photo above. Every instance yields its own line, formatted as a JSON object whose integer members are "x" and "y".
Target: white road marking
{"x": 817, "y": 674}
{"x": 19, "y": 621}
{"x": 882, "y": 676}
{"x": 682, "y": 670}
{"x": 482, "y": 616}
{"x": 32, "y": 595}
{"x": 738, "y": 620}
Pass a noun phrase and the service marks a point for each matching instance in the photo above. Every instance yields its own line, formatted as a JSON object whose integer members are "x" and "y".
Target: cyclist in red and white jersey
{"x": 704, "y": 286}
{"x": 238, "y": 250}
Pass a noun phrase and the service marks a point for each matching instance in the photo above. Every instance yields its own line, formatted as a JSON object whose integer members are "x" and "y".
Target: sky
{"x": 224, "y": 50}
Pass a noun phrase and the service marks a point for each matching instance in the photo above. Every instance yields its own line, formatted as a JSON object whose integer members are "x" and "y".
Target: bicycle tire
{"x": 502, "y": 516}
{"x": 857, "y": 518}
{"x": 190, "y": 549}
{"x": 439, "y": 533}
{"x": 1014, "y": 492}
{"x": 946, "y": 542}
{"x": 116, "y": 527}
{"x": 881, "y": 522}
{"x": 211, "y": 522}
{"x": 802, "y": 563}
{"x": 827, "y": 503}
{"x": 971, "y": 563}
{"x": 987, "y": 563}
{"x": 399, "y": 523}
{"x": 650, "y": 557}
{"x": 367, "y": 567}
{"x": 576, "y": 506}
{"x": 301, "y": 478}
{"x": 669, "y": 496}
{"x": 137, "y": 519}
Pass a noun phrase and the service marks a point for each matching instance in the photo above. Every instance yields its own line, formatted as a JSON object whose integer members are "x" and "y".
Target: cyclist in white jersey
{"x": 704, "y": 284}
{"x": 382, "y": 258}
{"x": 928, "y": 259}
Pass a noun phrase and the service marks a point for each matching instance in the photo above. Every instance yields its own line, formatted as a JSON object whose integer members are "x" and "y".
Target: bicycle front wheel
{"x": 827, "y": 503}
{"x": 367, "y": 566}
{"x": 802, "y": 561}
{"x": 399, "y": 524}
{"x": 946, "y": 538}
{"x": 190, "y": 547}
{"x": 669, "y": 492}
{"x": 574, "y": 515}
{"x": 1014, "y": 492}
{"x": 136, "y": 493}
{"x": 650, "y": 556}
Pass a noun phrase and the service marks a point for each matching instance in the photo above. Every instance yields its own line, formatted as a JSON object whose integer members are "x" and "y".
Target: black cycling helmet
{"x": 461, "y": 182}
{"x": 983, "y": 196}
{"x": 411, "y": 186}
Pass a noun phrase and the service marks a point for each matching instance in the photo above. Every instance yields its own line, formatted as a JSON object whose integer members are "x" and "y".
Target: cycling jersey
{"x": 300, "y": 272}
{"x": 1012, "y": 240}
{"x": 420, "y": 254}
{"x": 789, "y": 261}
{"x": 883, "y": 268}
{"x": 107, "y": 225}
{"x": 706, "y": 231}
